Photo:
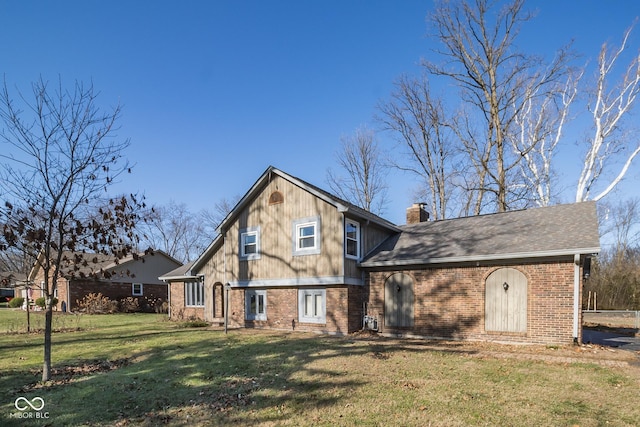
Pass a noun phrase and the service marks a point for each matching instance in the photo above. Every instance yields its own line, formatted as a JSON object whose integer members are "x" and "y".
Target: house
{"x": 133, "y": 276}
{"x": 8, "y": 282}
{"x": 292, "y": 256}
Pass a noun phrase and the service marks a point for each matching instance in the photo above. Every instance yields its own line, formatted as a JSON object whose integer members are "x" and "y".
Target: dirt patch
{"x": 67, "y": 373}
{"x": 584, "y": 353}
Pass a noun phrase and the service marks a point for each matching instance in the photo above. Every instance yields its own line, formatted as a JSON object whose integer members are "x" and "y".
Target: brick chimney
{"x": 416, "y": 214}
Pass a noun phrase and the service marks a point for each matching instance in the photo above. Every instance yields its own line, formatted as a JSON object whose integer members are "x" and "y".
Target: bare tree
{"x": 418, "y": 119}
{"x": 60, "y": 155}
{"x": 176, "y": 231}
{"x": 538, "y": 129}
{"x": 361, "y": 179}
{"x": 621, "y": 221}
{"x": 495, "y": 82}
{"x": 609, "y": 107}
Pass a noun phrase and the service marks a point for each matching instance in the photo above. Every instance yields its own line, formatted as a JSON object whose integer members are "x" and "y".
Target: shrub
{"x": 40, "y": 302}
{"x": 195, "y": 324}
{"x": 129, "y": 305}
{"x": 97, "y": 304}
{"x": 16, "y": 302}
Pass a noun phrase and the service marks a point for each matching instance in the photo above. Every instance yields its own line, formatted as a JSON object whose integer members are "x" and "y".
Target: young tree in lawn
{"x": 361, "y": 176}
{"x": 60, "y": 154}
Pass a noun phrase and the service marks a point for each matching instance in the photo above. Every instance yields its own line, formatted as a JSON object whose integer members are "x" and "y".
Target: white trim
{"x": 321, "y": 317}
{"x": 133, "y": 290}
{"x": 199, "y": 291}
{"x": 472, "y": 258}
{"x": 249, "y": 231}
{"x": 356, "y": 224}
{"x": 299, "y": 224}
{"x": 297, "y": 281}
{"x": 247, "y": 301}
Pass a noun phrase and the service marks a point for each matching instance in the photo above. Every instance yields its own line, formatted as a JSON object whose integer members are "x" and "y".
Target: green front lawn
{"x": 140, "y": 369}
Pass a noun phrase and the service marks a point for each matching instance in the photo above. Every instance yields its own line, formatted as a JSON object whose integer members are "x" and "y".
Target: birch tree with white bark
{"x": 611, "y": 149}
{"x": 478, "y": 54}
{"x": 538, "y": 130}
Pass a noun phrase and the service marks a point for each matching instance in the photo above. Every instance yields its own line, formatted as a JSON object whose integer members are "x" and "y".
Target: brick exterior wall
{"x": 152, "y": 295}
{"x": 449, "y": 303}
{"x": 343, "y": 313}
{"x": 177, "y": 309}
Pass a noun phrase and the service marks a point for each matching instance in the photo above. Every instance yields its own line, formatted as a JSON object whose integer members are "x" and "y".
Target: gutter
{"x": 477, "y": 258}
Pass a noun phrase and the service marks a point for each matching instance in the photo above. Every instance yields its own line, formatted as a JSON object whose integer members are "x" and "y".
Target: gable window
{"x": 194, "y": 294}
{"x": 312, "y": 305}
{"x": 352, "y": 239}
{"x": 256, "y": 305}
{"x": 250, "y": 243}
{"x": 306, "y": 236}
{"x": 136, "y": 289}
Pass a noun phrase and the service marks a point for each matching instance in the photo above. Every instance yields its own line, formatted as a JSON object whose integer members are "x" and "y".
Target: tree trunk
{"x": 46, "y": 367}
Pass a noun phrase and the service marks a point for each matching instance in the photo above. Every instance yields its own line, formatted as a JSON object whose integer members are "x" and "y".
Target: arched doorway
{"x": 398, "y": 301}
{"x": 506, "y": 301}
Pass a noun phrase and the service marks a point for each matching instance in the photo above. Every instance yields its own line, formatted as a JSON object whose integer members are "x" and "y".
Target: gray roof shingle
{"x": 549, "y": 231}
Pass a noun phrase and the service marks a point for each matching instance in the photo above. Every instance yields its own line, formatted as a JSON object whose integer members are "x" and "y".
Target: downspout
{"x": 169, "y": 298}
{"x": 576, "y": 297}
{"x": 225, "y": 298}
{"x": 68, "y": 290}
{"x": 344, "y": 244}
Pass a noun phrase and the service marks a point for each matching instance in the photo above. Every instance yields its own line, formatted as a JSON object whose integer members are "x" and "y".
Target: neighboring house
{"x": 132, "y": 276}
{"x": 8, "y": 282}
{"x": 292, "y": 256}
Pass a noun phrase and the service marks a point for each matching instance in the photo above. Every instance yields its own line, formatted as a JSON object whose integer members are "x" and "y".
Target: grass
{"x": 140, "y": 369}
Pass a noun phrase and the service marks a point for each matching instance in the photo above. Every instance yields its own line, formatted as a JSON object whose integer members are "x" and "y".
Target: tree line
{"x": 489, "y": 141}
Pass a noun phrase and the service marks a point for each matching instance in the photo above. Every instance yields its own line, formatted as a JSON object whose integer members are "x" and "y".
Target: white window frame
{"x": 298, "y": 226}
{"x": 137, "y": 293}
{"x": 318, "y": 308}
{"x": 244, "y": 233}
{"x": 194, "y": 294}
{"x": 347, "y": 239}
{"x": 257, "y": 315}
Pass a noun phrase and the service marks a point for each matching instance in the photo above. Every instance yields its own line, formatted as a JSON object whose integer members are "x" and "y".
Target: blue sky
{"x": 215, "y": 91}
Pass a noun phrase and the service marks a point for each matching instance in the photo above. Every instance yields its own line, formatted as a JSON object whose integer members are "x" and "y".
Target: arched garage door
{"x": 506, "y": 301}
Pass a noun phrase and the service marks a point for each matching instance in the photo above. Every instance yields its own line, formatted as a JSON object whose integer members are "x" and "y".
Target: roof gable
{"x": 259, "y": 186}
{"x": 341, "y": 205}
{"x": 550, "y": 231}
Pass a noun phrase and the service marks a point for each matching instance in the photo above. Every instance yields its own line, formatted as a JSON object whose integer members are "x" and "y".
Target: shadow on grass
{"x": 167, "y": 375}
{"x": 245, "y": 377}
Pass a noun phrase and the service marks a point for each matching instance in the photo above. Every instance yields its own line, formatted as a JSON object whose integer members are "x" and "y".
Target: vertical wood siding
{"x": 506, "y": 310}
{"x": 276, "y": 236}
{"x": 398, "y": 301}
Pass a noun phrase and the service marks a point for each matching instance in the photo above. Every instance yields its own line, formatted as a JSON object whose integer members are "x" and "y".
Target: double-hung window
{"x": 352, "y": 239}
{"x": 256, "y": 304}
{"x": 194, "y": 294}
{"x": 250, "y": 243}
{"x": 306, "y": 236}
{"x": 312, "y": 305}
{"x": 136, "y": 289}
